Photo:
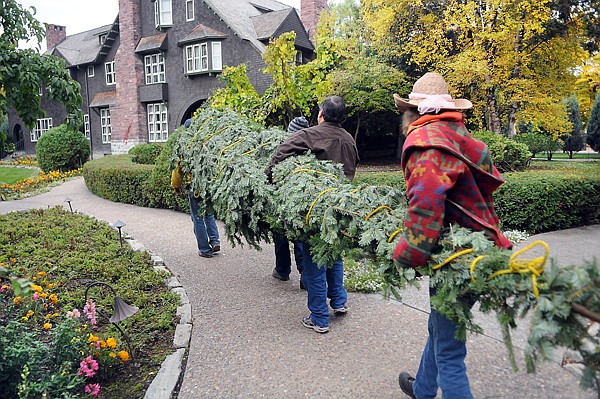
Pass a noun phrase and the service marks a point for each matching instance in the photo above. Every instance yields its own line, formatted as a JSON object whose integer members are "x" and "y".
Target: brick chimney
{"x": 128, "y": 117}
{"x": 310, "y": 11}
{"x": 54, "y": 35}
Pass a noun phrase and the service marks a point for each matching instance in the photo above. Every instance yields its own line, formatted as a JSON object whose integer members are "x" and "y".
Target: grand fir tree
{"x": 574, "y": 141}
{"x": 593, "y": 127}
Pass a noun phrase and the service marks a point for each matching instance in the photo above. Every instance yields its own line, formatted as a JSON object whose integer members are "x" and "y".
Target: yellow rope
{"x": 394, "y": 235}
{"x": 315, "y": 201}
{"x": 534, "y": 266}
{"x": 451, "y": 258}
{"x": 314, "y": 171}
{"x": 197, "y": 132}
{"x": 475, "y": 261}
{"x": 215, "y": 133}
{"x": 231, "y": 145}
{"x": 257, "y": 148}
{"x": 377, "y": 210}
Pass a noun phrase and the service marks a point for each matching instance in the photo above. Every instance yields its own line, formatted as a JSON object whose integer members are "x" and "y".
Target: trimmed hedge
{"x": 146, "y": 153}
{"x": 62, "y": 149}
{"x": 508, "y": 155}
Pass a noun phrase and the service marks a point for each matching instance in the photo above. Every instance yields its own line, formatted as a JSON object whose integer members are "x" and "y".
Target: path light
{"x": 68, "y": 201}
{"x": 119, "y": 225}
{"x": 121, "y": 310}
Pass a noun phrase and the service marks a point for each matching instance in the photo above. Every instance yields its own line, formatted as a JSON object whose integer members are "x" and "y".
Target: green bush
{"x": 116, "y": 178}
{"x": 508, "y": 155}
{"x": 146, "y": 153}
{"x": 62, "y": 149}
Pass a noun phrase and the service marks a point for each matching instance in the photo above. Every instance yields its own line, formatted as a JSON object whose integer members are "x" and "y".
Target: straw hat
{"x": 430, "y": 94}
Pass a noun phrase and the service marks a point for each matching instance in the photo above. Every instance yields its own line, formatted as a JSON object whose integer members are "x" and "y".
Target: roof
{"x": 85, "y": 47}
{"x": 237, "y": 15}
{"x": 201, "y": 32}
{"x": 266, "y": 25}
{"x": 104, "y": 99}
{"x": 152, "y": 43}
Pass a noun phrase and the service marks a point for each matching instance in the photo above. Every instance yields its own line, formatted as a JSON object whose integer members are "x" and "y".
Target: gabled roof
{"x": 152, "y": 43}
{"x": 238, "y": 14}
{"x": 201, "y": 32}
{"x": 104, "y": 99}
{"x": 85, "y": 47}
{"x": 267, "y": 24}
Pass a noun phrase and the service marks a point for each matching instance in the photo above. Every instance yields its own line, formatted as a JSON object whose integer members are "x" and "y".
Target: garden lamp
{"x": 68, "y": 201}
{"x": 119, "y": 225}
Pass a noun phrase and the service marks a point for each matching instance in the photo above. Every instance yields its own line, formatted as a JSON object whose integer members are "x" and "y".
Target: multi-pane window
{"x": 109, "y": 68}
{"x": 189, "y": 10}
{"x": 86, "y": 125}
{"x": 154, "y": 65}
{"x": 197, "y": 57}
{"x": 41, "y": 126}
{"x": 105, "y": 124}
{"x": 157, "y": 122}
{"x": 91, "y": 72}
{"x": 163, "y": 14}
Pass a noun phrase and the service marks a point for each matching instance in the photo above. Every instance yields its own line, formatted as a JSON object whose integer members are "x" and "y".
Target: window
{"x": 91, "y": 71}
{"x": 189, "y": 10}
{"x": 105, "y": 123}
{"x": 86, "y": 126}
{"x": 109, "y": 67}
{"x": 298, "y": 57}
{"x": 163, "y": 15}
{"x": 41, "y": 126}
{"x": 157, "y": 123}
{"x": 197, "y": 57}
{"x": 102, "y": 38}
{"x": 154, "y": 66}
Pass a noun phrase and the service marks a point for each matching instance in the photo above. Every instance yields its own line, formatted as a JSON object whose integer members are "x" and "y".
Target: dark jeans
{"x": 283, "y": 260}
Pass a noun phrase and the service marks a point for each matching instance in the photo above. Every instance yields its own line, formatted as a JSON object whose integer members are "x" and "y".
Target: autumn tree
{"x": 23, "y": 72}
{"x": 507, "y": 57}
{"x": 574, "y": 140}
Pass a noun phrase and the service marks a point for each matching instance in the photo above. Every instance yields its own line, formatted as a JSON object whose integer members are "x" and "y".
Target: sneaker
{"x": 406, "y": 384}
{"x": 340, "y": 311}
{"x": 279, "y": 276}
{"x": 208, "y": 255}
{"x": 308, "y": 323}
{"x": 215, "y": 248}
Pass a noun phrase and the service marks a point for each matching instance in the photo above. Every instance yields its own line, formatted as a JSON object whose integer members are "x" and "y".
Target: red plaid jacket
{"x": 450, "y": 179}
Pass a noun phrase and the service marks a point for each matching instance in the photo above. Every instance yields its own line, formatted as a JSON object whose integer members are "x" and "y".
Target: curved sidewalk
{"x": 248, "y": 342}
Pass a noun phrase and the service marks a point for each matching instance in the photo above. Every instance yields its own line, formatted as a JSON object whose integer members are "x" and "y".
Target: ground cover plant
{"x": 54, "y": 343}
{"x": 311, "y": 200}
{"x": 10, "y": 175}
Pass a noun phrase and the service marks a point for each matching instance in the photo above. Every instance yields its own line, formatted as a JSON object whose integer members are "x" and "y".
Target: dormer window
{"x": 163, "y": 14}
{"x": 102, "y": 38}
{"x": 203, "y": 57}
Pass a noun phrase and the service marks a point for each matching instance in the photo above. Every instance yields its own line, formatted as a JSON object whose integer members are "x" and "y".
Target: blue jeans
{"x": 205, "y": 227}
{"x": 442, "y": 362}
{"x": 322, "y": 283}
{"x": 283, "y": 260}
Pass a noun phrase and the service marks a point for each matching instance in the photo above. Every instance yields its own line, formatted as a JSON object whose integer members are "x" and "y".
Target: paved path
{"x": 248, "y": 341}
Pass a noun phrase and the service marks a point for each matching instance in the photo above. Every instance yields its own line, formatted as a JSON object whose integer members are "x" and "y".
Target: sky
{"x": 82, "y": 15}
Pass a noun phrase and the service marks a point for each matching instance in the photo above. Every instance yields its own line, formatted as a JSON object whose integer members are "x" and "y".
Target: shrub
{"x": 507, "y": 154}
{"x": 535, "y": 142}
{"x": 593, "y": 126}
{"x": 116, "y": 178}
{"x": 63, "y": 149}
{"x": 146, "y": 153}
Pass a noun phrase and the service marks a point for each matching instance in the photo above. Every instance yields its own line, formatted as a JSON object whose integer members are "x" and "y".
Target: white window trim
{"x": 110, "y": 73}
{"x": 163, "y": 13}
{"x": 217, "y": 57}
{"x": 41, "y": 127}
{"x": 189, "y": 10}
{"x": 158, "y": 124}
{"x": 91, "y": 72}
{"x": 105, "y": 125}
{"x": 200, "y": 57}
{"x": 154, "y": 68}
{"x": 86, "y": 126}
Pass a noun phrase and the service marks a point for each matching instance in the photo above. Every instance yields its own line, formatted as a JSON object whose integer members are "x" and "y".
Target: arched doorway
{"x": 189, "y": 112}
{"x": 17, "y": 138}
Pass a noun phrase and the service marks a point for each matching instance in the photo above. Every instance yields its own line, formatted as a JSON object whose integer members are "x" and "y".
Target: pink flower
{"x": 88, "y": 366}
{"x": 74, "y": 314}
{"x": 90, "y": 310}
{"x": 92, "y": 389}
{"x": 36, "y": 297}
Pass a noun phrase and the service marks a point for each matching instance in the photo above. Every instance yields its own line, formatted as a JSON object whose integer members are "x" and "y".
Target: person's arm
{"x": 296, "y": 144}
{"x": 430, "y": 174}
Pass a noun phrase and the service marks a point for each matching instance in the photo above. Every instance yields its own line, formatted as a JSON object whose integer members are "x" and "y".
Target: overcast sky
{"x": 81, "y": 15}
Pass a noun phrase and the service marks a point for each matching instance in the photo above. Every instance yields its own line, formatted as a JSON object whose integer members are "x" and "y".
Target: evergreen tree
{"x": 593, "y": 127}
{"x": 574, "y": 141}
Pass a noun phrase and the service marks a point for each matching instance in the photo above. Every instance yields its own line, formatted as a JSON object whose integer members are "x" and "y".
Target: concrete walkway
{"x": 248, "y": 342}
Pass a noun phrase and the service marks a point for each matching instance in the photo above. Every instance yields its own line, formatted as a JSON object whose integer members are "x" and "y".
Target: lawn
{"x": 11, "y": 175}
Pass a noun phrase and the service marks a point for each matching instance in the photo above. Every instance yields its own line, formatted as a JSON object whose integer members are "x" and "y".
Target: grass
{"x": 62, "y": 253}
{"x": 11, "y": 174}
{"x": 563, "y": 155}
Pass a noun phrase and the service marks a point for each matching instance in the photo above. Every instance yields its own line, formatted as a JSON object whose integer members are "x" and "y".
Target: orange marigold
{"x": 111, "y": 342}
{"x": 47, "y": 326}
{"x": 124, "y": 356}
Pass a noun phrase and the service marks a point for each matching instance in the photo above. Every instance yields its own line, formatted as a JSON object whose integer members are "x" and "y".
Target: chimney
{"x": 54, "y": 35}
{"x": 310, "y": 11}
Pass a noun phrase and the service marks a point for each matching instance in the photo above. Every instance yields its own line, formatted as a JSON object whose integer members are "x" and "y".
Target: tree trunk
{"x": 357, "y": 126}
{"x": 512, "y": 120}
{"x": 494, "y": 124}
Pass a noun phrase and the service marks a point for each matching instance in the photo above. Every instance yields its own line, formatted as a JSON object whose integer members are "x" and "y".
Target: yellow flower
{"x": 43, "y": 295}
{"x": 93, "y": 338}
{"x": 53, "y": 298}
{"x": 112, "y": 354}
{"x": 30, "y": 313}
{"x": 13, "y": 260}
{"x": 42, "y": 274}
{"x": 47, "y": 326}
{"x": 36, "y": 288}
{"x": 103, "y": 344}
{"x": 54, "y": 314}
{"x": 24, "y": 318}
{"x": 4, "y": 287}
{"x": 111, "y": 342}
{"x": 16, "y": 300}
{"x": 124, "y": 356}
